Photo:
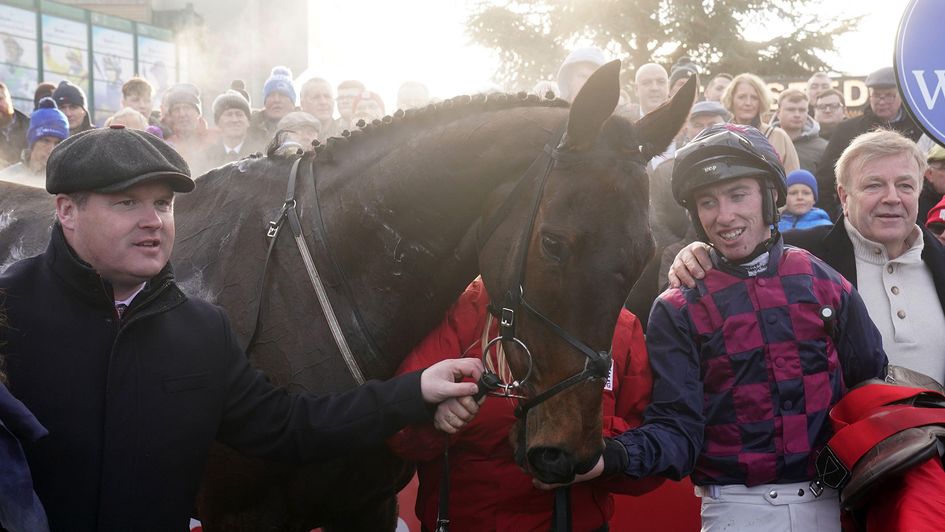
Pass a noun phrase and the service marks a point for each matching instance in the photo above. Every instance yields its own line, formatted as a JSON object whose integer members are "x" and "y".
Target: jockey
{"x": 747, "y": 364}
{"x": 487, "y": 489}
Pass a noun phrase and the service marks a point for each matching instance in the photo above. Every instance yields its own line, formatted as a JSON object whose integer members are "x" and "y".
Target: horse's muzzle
{"x": 551, "y": 465}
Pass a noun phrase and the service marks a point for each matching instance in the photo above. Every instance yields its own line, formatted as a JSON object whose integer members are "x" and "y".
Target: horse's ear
{"x": 594, "y": 104}
{"x": 657, "y": 129}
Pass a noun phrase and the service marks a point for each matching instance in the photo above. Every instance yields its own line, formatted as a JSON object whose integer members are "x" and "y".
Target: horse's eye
{"x": 553, "y": 248}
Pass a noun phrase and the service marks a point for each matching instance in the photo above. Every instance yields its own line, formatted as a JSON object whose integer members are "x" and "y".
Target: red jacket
{"x": 488, "y": 491}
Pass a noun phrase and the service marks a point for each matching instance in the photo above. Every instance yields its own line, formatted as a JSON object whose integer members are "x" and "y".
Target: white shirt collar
{"x": 127, "y": 302}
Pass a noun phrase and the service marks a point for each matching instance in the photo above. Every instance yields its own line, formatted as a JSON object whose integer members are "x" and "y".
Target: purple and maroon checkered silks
{"x": 770, "y": 369}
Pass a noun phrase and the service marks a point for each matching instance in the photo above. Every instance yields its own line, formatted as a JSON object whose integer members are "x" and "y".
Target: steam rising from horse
{"x": 395, "y": 217}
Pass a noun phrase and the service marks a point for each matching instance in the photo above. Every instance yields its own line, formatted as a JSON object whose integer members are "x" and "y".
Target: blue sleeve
{"x": 670, "y": 439}
{"x": 859, "y": 343}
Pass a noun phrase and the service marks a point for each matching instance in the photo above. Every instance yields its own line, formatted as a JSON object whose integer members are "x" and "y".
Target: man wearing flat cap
{"x": 134, "y": 379}
{"x": 885, "y": 111}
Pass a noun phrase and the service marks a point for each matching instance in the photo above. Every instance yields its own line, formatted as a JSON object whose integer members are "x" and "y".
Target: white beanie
{"x": 591, "y": 54}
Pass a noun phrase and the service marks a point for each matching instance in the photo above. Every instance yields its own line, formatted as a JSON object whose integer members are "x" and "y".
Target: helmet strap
{"x": 769, "y": 203}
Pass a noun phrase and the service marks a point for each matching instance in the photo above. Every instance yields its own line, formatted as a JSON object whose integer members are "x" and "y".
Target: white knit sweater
{"x": 901, "y": 299}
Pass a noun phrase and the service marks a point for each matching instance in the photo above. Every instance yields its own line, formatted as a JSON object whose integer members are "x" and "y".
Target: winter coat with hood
{"x": 809, "y": 145}
{"x": 812, "y": 218}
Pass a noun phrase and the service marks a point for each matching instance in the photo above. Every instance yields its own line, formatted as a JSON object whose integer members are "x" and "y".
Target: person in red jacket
{"x": 488, "y": 490}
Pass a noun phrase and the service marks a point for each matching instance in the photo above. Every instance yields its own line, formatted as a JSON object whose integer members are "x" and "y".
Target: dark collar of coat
{"x": 87, "y": 284}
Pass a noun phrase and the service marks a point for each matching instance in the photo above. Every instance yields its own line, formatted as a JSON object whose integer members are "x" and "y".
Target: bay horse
{"x": 547, "y": 202}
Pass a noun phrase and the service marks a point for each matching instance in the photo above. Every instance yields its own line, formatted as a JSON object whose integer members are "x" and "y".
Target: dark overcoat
{"x": 133, "y": 404}
{"x": 832, "y": 245}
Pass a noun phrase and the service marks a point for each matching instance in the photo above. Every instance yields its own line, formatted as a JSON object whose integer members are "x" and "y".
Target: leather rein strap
{"x": 290, "y": 214}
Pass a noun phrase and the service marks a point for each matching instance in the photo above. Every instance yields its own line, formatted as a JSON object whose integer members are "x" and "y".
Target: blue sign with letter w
{"x": 920, "y": 65}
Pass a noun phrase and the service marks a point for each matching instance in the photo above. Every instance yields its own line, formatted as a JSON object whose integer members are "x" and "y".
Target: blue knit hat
{"x": 280, "y": 81}
{"x": 803, "y": 177}
{"x": 47, "y": 121}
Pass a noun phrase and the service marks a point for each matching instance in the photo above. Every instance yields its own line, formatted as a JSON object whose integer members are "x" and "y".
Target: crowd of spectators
{"x": 207, "y": 132}
{"x": 821, "y": 152}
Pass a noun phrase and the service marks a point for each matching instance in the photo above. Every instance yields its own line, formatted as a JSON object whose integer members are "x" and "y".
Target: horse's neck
{"x": 403, "y": 224}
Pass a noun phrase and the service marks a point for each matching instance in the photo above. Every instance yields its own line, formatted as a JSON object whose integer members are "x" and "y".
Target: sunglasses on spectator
{"x": 937, "y": 229}
{"x": 829, "y": 107}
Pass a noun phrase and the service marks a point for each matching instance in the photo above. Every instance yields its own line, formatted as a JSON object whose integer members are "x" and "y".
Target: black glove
{"x": 615, "y": 457}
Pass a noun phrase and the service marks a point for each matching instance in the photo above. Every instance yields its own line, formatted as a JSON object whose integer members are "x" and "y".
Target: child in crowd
{"x": 799, "y": 212}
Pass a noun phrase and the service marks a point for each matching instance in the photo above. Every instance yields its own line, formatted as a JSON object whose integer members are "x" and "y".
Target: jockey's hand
{"x": 613, "y": 460}
{"x": 453, "y": 414}
{"x": 442, "y": 380}
{"x": 691, "y": 263}
{"x": 595, "y": 472}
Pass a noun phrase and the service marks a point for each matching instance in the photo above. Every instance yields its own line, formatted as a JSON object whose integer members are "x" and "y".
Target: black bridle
{"x": 597, "y": 364}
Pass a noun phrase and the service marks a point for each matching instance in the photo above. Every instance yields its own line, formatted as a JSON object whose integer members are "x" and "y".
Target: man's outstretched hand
{"x": 442, "y": 380}
{"x": 438, "y": 384}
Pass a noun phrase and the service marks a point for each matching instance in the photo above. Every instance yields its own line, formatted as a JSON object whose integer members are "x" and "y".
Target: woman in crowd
{"x": 749, "y": 100}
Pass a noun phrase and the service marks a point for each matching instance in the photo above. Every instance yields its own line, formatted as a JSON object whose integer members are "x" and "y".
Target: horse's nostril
{"x": 551, "y": 464}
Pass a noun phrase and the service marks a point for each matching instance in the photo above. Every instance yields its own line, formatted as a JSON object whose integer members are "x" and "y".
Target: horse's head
{"x": 560, "y": 252}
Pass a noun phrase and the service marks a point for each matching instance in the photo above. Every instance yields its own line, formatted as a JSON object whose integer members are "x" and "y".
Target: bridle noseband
{"x": 597, "y": 364}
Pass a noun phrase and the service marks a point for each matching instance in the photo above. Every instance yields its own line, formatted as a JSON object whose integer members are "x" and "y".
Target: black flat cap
{"x": 883, "y": 78}
{"x": 113, "y": 159}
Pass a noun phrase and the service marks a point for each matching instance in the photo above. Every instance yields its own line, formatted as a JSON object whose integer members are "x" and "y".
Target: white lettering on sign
{"x": 940, "y": 88}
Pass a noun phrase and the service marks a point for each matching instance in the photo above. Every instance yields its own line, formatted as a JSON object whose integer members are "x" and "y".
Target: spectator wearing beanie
{"x": 576, "y": 68}
{"x": 13, "y": 126}
{"x": 71, "y": 101}
{"x": 934, "y": 181}
{"x": 48, "y": 127}
{"x": 239, "y": 86}
{"x": 189, "y": 133}
{"x": 279, "y": 99}
{"x": 935, "y": 222}
{"x": 799, "y": 211}
{"x": 680, "y": 72}
{"x": 237, "y": 138}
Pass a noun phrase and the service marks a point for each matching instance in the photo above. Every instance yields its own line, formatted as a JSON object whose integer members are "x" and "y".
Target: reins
{"x": 290, "y": 214}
